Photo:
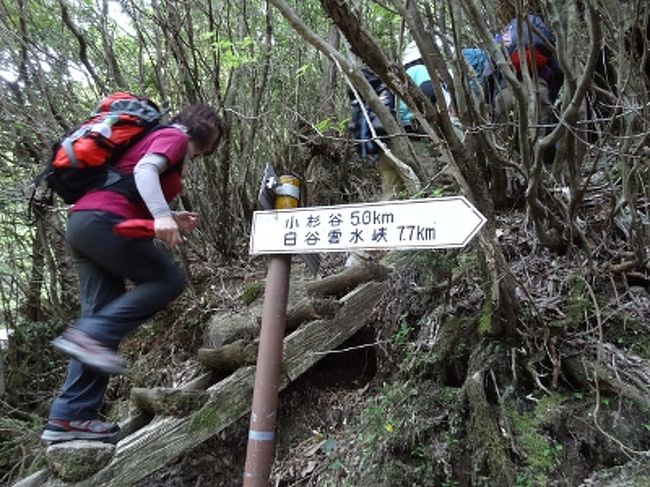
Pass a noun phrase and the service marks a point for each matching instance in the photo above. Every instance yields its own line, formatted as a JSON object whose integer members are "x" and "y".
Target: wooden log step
{"x": 138, "y": 420}
{"x": 229, "y": 357}
{"x": 343, "y": 282}
{"x": 307, "y": 310}
{"x": 165, "y": 401}
{"x": 77, "y": 460}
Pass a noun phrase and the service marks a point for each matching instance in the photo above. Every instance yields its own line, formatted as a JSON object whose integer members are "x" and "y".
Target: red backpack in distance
{"x": 82, "y": 160}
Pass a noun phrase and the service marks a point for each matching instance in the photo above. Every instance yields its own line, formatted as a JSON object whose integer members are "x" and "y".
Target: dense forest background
{"x": 522, "y": 360}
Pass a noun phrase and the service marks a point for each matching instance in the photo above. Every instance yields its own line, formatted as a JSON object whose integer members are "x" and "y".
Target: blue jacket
{"x": 420, "y": 76}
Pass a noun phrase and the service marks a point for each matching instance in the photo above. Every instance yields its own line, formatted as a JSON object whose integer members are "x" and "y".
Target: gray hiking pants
{"x": 104, "y": 261}
{"x": 504, "y": 104}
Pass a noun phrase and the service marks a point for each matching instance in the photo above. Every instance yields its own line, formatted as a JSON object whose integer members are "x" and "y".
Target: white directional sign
{"x": 409, "y": 224}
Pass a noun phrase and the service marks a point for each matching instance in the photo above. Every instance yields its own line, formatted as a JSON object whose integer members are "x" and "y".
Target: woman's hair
{"x": 202, "y": 122}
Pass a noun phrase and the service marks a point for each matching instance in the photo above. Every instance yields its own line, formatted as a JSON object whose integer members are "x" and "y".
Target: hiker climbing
{"x": 155, "y": 165}
{"x": 537, "y": 43}
{"x": 366, "y": 125}
{"x": 427, "y": 155}
{"x": 481, "y": 75}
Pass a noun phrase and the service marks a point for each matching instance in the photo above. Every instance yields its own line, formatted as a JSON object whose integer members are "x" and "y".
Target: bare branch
{"x": 83, "y": 46}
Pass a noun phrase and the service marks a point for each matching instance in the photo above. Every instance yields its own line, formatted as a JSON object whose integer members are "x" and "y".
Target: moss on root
{"x": 252, "y": 291}
{"x": 405, "y": 432}
{"x": 540, "y": 453}
{"x": 490, "y": 458}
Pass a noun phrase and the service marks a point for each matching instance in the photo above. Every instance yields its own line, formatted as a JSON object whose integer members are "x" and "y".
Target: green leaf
{"x": 328, "y": 446}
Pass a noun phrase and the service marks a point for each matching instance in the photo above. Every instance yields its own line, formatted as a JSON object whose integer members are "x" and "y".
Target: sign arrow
{"x": 431, "y": 223}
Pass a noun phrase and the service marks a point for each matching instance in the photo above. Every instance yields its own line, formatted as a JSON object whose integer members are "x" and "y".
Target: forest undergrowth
{"x": 426, "y": 395}
{"x": 565, "y": 404}
{"x": 521, "y": 360}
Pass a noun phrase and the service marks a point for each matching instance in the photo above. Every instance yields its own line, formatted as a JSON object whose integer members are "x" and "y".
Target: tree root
{"x": 617, "y": 372}
{"x": 490, "y": 448}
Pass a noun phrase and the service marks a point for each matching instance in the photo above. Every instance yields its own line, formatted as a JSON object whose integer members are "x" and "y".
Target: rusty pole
{"x": 261, "y": 434}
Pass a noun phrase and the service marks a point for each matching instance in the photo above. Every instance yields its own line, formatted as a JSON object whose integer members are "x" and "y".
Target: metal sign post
{"x": 261, "y": 434}
{"x": 286, "y": 230}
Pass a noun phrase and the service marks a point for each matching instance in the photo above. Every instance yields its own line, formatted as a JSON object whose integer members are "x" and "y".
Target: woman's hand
{"x": 167, "y": 230}
{"x": 186, "y": 220}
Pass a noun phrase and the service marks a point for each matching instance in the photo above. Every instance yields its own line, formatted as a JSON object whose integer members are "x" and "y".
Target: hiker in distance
{"x": 104, "y": 261}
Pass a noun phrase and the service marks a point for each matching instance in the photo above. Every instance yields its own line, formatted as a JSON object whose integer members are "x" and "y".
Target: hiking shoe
{"x": 58, "y": 430}
{"x": 89, "y": 352}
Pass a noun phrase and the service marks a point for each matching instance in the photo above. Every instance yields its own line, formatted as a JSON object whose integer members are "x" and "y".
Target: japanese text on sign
{"x": 426, "y": 223}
